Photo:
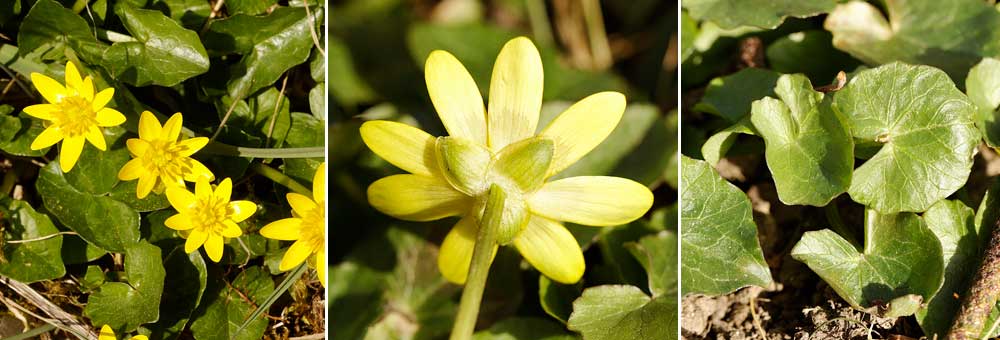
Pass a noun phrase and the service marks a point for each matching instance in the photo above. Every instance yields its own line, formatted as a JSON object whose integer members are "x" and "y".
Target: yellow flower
{"x": 307, "y": 228}
{"x": 451, "y": 176}
{"x": 208, "y": 217}
{"x": 108, "y": 334}
{"x": 160, "y": 160}
{"x": 74, "y": 114}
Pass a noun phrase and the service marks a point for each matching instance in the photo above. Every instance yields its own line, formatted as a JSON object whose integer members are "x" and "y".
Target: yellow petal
{"x": 404, "y": 146}
{"x": 196, "y": 171}
{"x": 102, "y": 98}
{"x": 87, "y": 89}
{"x": 582, "y": 127}
{"x": 145, "y": 185}
{"x": 181, "y": 199}
{"x": 172, "y": 128}
{"x": 515, "y": 93}
{"x": 178, "y": 222}
{"x": 106, "y": 333}
{"x": 295, "y": 255}
{"x": 50, "y": 89}
{"x": 551, "y": 249}
{"x": 592, "y": 200}
{"x": 73, "y": 79}
{"x": 300, "y": 203}
{"x": 287, "y": 229}
{"x": 41, "y": 111}
{"x": 202, "y": 188}
{"x": 456, "y": 250}
{"x": 319, "y": 184}
{"x": 70, "y": 151}
{"x": 137, "y": 147}
{"x": 131, "y": 170}
{"x": 149, "y": 126}
{"x": 416, "y": 198}
{"x": 213, "y": 246}
{"x": 321, "y": 267}
{"x": 49, "y": 137}
{"x": 456, "y": 97}
{"x": 224, "y": 190}
{"x": 96, "y": 138}
{"x": 232, "y": 229}
{"x": 195, "y": 240}
{"x": 188, "y": 147}
{"x": 241, "y": 210}
{"x": 109, "y": 117}
{"x": 139, "y": 337}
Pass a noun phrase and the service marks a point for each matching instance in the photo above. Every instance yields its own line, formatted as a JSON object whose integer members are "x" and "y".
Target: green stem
{"x": 113, "y": 36}
{"x": 32, "y": 333}
{"x": 280, "y": 178}
{"x": 600, "y": 50}
{"x": 216, "y": 148}
{"x": 79, "y": 5}
{"x": 539, "y": 18}
{"x": 479, "y": 269}
{"x": 870, "y": 216}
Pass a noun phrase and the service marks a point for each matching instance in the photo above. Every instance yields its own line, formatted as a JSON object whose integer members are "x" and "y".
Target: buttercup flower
{"x": 451, "y": 176}
{"x": 306, "y": 227}
{"x": 74, "y": 114}
{"x": 108, "y": 334}
{"x": 208, "y": 216}
{"x": 160, "y": 160}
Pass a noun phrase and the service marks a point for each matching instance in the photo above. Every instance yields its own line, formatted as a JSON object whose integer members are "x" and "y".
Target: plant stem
{"x": 540, "y": 26}
{"x": 479, "y": 269}
{"x": 79, "y": 5}
{"x": 280, "y": 178}
{"x": 982, "y": 295}
{"x": 113, "y": 36}
{"x": 600, "y": 50}
{"x": 216, "y": 148}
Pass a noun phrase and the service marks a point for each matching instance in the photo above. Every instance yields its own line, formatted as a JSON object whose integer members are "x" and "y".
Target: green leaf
{"x": 256, "y": 114}
{"x": 618, "y": 312}
{"x": 51, "y": 25}
{"x": 125, "y": 306}
{"x": 97, "y": 171}
{"x": 305, "y": 131}
{"x": 901, "y": 256}
{"x": 718, "y": 237}
{"x": 953, "y": 224}
{"x": 77, "y": 251}
{"x": 759, "y": 13}
{"x": 226, "y": 305}
{"x": 807, "y": 144}
{"x": 190, "y": 13}
{"x": 524, "y": 328}
{"x": 730, "y": 97}
{"x": 251, "y": 7}
{"x": 786, "y": 55}
{"x": 124, "y": 192}
{"x": 649, "y": 161}
{"x": 359, "y": 290}
{"x": 983, "y": 88}
{"x": 28, "y": 130}
{"x": 100, "y": 220}
{"x": 951, "y": 35}
{"x": 187, "y": 277}
{"x": 926, "y": 130}
{"x": 619, "y": 265}
{"x": 715, "y": 148}
{"x": 275, "y": 43}
{"x": 164, "y": 53}
{"x": 556, "y": 298}
{"x": 34, "y": 260}
{"x": 658, "y": 255}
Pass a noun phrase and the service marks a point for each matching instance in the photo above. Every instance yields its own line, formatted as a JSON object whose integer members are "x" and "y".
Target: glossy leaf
{"x": 760, "y": 13}
{"x": 616, "y": 312}
{"x": 127, "y": 305}
{"x": 730, "y": 97}
{"x": 36, "y": 260}
{"x": 983, "y": 88}
{"x": 164, "y": 53}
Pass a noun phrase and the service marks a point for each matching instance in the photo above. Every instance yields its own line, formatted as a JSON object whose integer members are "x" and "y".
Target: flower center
{"x": 164, "y": 159}
{"x": 74, "y": 115}
{"x": 312, "y": 228}
{"x": 211, "y": 213}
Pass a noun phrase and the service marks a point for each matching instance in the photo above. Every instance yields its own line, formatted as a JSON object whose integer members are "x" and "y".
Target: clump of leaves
{"x": 248, "y": 81}
{"x": 895, "y": 140}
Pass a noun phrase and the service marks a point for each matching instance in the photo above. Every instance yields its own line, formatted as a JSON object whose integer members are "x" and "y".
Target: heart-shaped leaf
{"x": 807, "y": 144}
{"x": 759, "y": 13}
{"x": 901, "y": 256}
{"x": 49, "y": 23}
{"x": 100, "y": 220}
{"x": 37, "y": 259}
{"x": 619, "y": 312}
{"x": 718, "y": 237}
{"x": 952, "y": 223}
{"x": 951, "y": 35}
{"x": 163, "y": 53}
{"x": 925, "y": 127}
{"x": 126, "y": 305}
{"x": 983, "y": 88}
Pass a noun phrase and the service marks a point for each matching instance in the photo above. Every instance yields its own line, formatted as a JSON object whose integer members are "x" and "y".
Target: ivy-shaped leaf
{"x": 952, "y": 223}
{"x": 901, "y": 256}
{"x": 126, "y": 305}
{"x": 100, "y": 220}
{"x": 715, "y": 147}
{"x": 226, "y": 305}
{"x": 983, "y": 88}
{"x": 730, "y": 97}
{"x": 50, "y": 24}
{"x": 925, "y": 127}
{"x": 31, "y": 261}
{"x": 718, "y": 237}
{"x": 807, "y": 144}
{"x": 952, "y": 35}
{"x": 163, "y": 53}
{"x": 621, "y": 312}
{"x": 759, "y": 13}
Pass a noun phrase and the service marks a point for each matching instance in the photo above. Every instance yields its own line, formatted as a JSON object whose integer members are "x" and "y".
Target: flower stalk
{"x": 479, "y": 269}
